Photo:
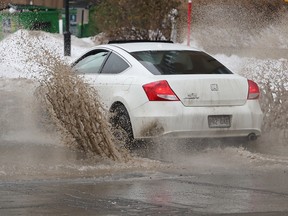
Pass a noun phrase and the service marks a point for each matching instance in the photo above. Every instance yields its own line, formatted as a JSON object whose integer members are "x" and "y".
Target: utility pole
{"x": 189, "y": 22}
{"x": 67, "y": 34}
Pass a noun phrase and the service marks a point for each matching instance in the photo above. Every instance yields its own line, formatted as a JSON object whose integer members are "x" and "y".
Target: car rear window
{"x": 180, "y": 62}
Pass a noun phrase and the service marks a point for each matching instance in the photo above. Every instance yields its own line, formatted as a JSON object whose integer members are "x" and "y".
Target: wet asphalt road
{"x": 48, "y": 179}
{"x": 142, "y": 195}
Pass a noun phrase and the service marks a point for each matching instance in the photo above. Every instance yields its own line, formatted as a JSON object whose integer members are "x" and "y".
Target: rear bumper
{"x": 172, "y": 119}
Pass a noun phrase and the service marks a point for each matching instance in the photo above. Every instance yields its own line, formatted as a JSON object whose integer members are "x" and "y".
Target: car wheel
{"x": 121, "y": 126}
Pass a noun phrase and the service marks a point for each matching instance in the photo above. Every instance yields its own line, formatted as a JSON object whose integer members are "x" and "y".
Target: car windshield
{"x": 179, "y": 62}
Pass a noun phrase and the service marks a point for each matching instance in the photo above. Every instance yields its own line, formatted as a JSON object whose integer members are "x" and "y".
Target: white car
{"x": 169, "y": 90}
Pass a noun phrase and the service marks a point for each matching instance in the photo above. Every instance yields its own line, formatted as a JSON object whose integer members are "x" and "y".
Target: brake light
{"x": 253, "y": 92}
{"x": 159, "y": 91}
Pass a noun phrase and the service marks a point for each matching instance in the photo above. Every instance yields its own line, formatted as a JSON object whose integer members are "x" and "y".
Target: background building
{"x": 44, "y": 15}
{"x": 46, "y": 3}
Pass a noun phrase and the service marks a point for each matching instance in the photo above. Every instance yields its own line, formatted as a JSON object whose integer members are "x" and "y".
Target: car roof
{"x": 150, "y": 46}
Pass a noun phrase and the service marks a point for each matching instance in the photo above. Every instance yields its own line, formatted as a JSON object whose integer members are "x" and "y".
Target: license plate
{"x": 219, "y": 121}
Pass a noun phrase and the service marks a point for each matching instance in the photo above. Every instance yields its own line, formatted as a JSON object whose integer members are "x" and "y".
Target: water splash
{"x": 69, "y": 103}
{"x": 76, "y": 108}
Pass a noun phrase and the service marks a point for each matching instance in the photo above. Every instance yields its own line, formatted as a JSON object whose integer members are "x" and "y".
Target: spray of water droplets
{"x": 72, "y": 106}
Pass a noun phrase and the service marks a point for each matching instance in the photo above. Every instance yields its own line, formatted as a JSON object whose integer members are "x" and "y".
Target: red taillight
{"x": 159, "y": 91}
{"x": 254, "y": 91}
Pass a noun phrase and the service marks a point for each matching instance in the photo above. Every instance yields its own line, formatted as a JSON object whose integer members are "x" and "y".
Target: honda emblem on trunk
{"x": 214, "y": 87}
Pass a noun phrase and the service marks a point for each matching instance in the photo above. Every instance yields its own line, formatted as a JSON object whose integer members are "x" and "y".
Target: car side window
{"x": 114, "y": 64}
{"x": 91, "y": 63}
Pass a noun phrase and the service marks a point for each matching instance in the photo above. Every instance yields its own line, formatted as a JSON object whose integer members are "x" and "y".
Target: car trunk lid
{"x": 209, "y": 90}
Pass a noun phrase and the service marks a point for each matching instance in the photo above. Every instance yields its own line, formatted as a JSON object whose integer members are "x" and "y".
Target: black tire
{"x": 121, "y": 126}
